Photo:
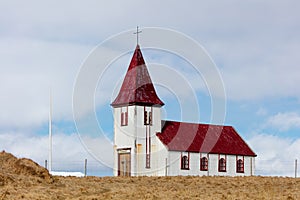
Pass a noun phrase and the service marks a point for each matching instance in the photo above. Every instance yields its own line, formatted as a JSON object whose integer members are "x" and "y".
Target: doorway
{"x": 124, "y": 162}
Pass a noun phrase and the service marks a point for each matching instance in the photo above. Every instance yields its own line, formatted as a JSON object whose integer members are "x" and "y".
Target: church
{"x": 146, "y": 145}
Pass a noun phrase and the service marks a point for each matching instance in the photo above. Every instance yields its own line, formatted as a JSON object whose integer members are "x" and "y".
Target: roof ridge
{"x": 198, "y": 123}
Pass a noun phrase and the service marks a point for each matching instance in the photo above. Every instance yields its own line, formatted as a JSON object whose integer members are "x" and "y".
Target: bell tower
{"x": 137, "y": 119}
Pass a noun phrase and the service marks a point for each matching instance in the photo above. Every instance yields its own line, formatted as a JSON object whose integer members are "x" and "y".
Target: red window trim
{"x": 148, "y": 116}
{"x": 225, "y": 164}
{"x": 124, "y": 117}
{"x": 148, "y": 161}
{"x": 182, "y": 164}
{"x": 148, "y": 148}
{"x": 238, "y": 168}
{"x": 203, "y": 165}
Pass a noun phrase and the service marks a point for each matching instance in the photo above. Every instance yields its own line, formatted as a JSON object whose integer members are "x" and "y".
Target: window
{"x": 150, "y": 118}
{"x": 222, "y": 165}
{"x": 203, "y": 164}
{"x": 184, "y": 162}
{"x": 124, "y": 117}
{"x": 147, "y": 116}
{"x": 240, "y": 166}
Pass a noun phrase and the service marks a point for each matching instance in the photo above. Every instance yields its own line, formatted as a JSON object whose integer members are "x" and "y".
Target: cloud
{"x": 249, "y": 76}
{"x": 262, "y": 111}
{"x": 30, "y": 68}
{"x": 275, "y": 155}
{"x": 284, "y": 121}
{"x": 43, "y": 45}
{"x": 69, "y": 152}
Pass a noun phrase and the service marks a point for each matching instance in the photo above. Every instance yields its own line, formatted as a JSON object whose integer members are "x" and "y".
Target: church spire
{"x": 137, "y": 87}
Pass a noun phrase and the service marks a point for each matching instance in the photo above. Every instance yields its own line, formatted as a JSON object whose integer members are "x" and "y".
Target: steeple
{"x": 137, "y": 87}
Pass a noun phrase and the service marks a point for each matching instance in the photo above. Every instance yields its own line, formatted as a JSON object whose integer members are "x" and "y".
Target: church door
{"x": 124, "y": 163}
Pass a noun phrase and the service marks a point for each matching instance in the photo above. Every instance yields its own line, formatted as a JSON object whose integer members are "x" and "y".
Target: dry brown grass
{"x": 23, "y": 179}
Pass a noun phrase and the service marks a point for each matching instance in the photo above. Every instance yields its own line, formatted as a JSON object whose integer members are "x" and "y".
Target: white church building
{"x": 146, "y": 145}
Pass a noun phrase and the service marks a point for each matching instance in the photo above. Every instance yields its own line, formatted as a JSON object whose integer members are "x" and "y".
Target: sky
{"x": 254, "y": 46}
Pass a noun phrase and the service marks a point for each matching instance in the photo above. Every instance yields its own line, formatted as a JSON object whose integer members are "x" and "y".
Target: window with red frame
{"x": 203, "y": 164}
{"x": 240, "y": 166}
{"x": 147, "y": 117}
{"x": 185, "y": 162}
{"x": 124, "y": 117}
{"x": 222, "y": 165}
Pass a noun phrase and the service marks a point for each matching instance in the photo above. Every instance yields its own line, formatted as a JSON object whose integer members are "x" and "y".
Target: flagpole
{"x": 50, "y": 131}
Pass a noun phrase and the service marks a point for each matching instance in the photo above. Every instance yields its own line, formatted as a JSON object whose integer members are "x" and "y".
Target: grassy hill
{"x": 24, "y": 179}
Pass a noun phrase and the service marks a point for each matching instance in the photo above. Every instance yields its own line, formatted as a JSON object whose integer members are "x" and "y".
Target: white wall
{"x": 123, "y": 135}
{"x": 174, "y": 165}
{"x": 158, "y": 151}
{"x": 134, "y": 136}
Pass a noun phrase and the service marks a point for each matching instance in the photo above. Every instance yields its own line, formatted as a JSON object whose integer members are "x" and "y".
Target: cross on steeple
{"x": 137, "y": 34}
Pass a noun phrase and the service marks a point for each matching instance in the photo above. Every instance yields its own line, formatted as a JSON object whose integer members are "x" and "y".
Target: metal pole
{"x": 85, "y": 167}
{"x": 46, "y": 164}
{"x": 251, "y": 167}
{"x": 166, "y": 171}
{"x": 50, "y": 131}
{"x": 208, "y": 168}
{"x": 296, "y": 168}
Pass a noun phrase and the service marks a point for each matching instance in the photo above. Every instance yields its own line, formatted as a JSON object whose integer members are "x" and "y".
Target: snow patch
{"x": 77, "y": 174}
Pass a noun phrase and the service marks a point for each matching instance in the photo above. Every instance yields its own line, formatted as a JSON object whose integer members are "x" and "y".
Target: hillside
{"x": 24, "y": 179}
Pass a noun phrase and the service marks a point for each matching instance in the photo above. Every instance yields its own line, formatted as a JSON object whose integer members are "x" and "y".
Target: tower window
{"x": 240, "y": 166}
{"x": 150, "y": 118}
{"x": 147, "y": 116}
{"x": 222, "y": 165}
{"x": 203, "y": 164}
{"x": 124, "y": 116}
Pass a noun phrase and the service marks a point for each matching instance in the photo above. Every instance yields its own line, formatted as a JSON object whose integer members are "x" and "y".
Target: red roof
{"x": 206, "y": 138}
{"x": 137, "y": 87}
